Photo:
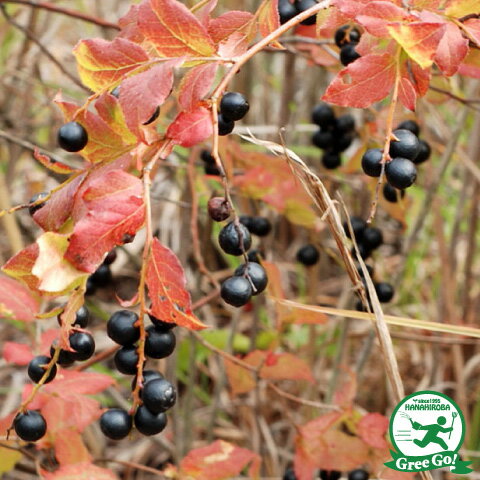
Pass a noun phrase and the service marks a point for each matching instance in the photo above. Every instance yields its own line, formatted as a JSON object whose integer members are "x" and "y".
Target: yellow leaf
{"x": 8, "y": 459}
{"x": 460, "y": 8}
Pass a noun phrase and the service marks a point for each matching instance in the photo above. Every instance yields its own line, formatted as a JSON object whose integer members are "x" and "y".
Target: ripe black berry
{"x": 341, "y": 141}
{"x": 257, "y": 275}
{"x": 30, "y": 426}
{"x": 346, "y": 34}
{"x": 90, "y": 287}
{"x": 322, "y": 139}
{"x": 345, "y": 123}
{"x": 219, "y": 209}
{"x": 323, "y": 115}
{"x": 65, "y": 358}
{"x": 369, "y": 269}
{"x": 364, "y": 251}
{"x": 159, "y": 344}
{"x": 410, "y": 125}
{"x": 254, "y": 256}
{"x": 260, "y": 226}
{"x": 233, "y": 106}
{"x": 348, "y": 54}
{"x": 231, "y": 240}
{"x": 330, "y": 475}
{"x": 148, "y": 375}
{"x": 392, "y": 194}
{"x": 72, "y": 137}
{"x": 207, "y": 157}
{"x": 102, "y": 276}
{"x": 236, "y": 291}
{"x": 81, "y": 317}
{"x": 372, "y": 162}
{"x": 126, "y": 360}
{"x": 149, "y": 423}
{"x": 121, "y": 327}
{"x": 289, "y": 474}
{"x": 286, "y": 10}
{"x": 83, "y": 344}
{"x": 211, "y": 170}
{"x": 401, "y": 173}
{"x": 358, "y": 227}
{"x": 159, "y": 395}
{"x": 424, "y": 152}
{"x": 35, "y": 208}
{"x": 246, "y": 220}
{"x": 358, "y": 475}
{"x": 301, "y": 6}
{"x": 110, "y": 258}
{"x": 372, "y": 237}
{"x": 116, "y": 423}
{"x": 37, "y": 367}
{"x": 225, "y": 126}
{"x": 384, "y": 291}
{"x": 308, "y": 255}
{"x": 407, "y": 145}
{"x": 331, "y": 160}
{"x": 161, "y": 325}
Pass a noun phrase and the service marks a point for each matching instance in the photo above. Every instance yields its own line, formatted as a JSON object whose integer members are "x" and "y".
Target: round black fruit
{"x": 159, "y": 344}
{"x": 37, "y": 368}
{"x": 346, "y": 34}
{"x": 286, "y": 11}
{"x": 364, "y": 251}
{"x": 35, "y": 198}
{"x": 331, "y": 160}
{"x": 289, "y": 474}
{"x": 122, "y": 328}
{"x": 323, "y": 115}
{"x": 401, "y": 173}
{"x": 301, "y": 6}
{"x": 159, "y": 395}
{"x": 348, "y": 54}
{"x": 225, "y": 126}
{"x": 219, "y": 209}
{"x": 358, "y": 474}
{"x": 372, "y": 238}
{"x": 65, "y": 358}
{"x": 81, "y": 317}
{"x": 233, "y": 106}
{"x": 161, "y": 325}
{"x": 148, "y": 375}
{"x": 236, "y": 291}
{"x": 308, "y": 255}
{"x": 322, "y": 139}
{"x": 392, "y": 194}
{"x": 257, "y": 275}
{"x": 423, "y": 153}
{"x": 372, "y": 162}
{"x": 83, "y": 344}
{"x": 30, "y": 426}
{"x": 385, "y": 291}
{"x": 260, "y": 226}
{"x": 407, "y": 145}
{"x": 126, "y": 360}
{"x": 207, "y": 157}
{"x": 102, "y": 276}
{"x": 341, "y": 141}
{"x": 110, "y": 258}
{"x": 254, "y": 256}
{"x": 345, "y": 123}
{"x": 411, "y": 125}
{"x": 148, "y": 423}
{"x": 231, "y": 238}
{"x": 72, "y": 137}
{"x": 358, "y": 227}
{"x": 211, "y": 170}
{"x": 116, "y": 423}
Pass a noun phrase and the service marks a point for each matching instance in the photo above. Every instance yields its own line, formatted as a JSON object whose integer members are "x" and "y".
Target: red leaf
{"x": 372, "y": 429}
{"x": 70, "y": 449}
{"x": 129, "y": 25}
{"x": 173, "y": 30}
{"x": 190, "y": 128}
{"x": 407, "y": 94}
{"x": 82, "y": 383}
{"x": 20, "y": 266}
{"x": 51, "y": 164}
{"x": 16, "y": 301}
{"x": 365, "y": 81}
{"x": 17, "y": 353}
{"x": 80, "y": 471}
{"x": 167, "y": 288}
{"x": 115, "y": 208}
{"x": 196, "y": 84}
{"x": 269, "y": 19}
{"x": 226, "y": 25}
{"x": 452, "y": 49}
{"x": 472, "y": 27}
{"x": 375, "y": 15}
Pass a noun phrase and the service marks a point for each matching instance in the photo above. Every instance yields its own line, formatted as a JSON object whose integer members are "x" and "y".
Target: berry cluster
{"x": 209, "y": 163}
{"x": 288, "y": 10}
{"x": 157, "y": 394}
{"x": 334, "y": 136}
{"x": 30, "y": 425}
{"x": 346, "y": 39}
{"x": 233, "y": 106}
{"x": 358, "y": 474}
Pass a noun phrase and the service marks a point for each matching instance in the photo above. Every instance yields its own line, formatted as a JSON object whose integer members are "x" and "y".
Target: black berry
{"x": 372, "y": 162}
{"x": 424, "y": 152}
{"x": 110, "y": 258}
{"x": 346, "y": 34}
{"x": 121, "y": 327}
{"x": 207, "y": 157}
{"x": 126, "y": 360}
{"x": 348, "y": 54}
{"x": 407, "y": 145}
{"x": 149, "y": 423}
{"x": 254, "y": 256}
{"x": 231, "y": 238}
{"x": 364, "y": 251}
{"x": 211, "y": 170}
{"x": 358, "y": 227}
{"x": 331, "y": 160}
{"x": 72, "y": 137}
{"x": 289, "y": 474}
{"x": 323, "y": 115}
{"x": 30, "y": 426}
{"x": 372, "y": 237}
{"x": 148, "y": 376}
{"x": 65, "y": 357}
{"x": 392, "y": 194}
{"x": 159, "y": 395}
{"x": 81, "y": 317}
{"x": 159, "y": 344}
{"x": 234, "y": 106}
{"x": 401, "y": 173}
{"x": 359, "y": 474}
{"x": 322, "y": 139}
{"x": 83, "y": 344}
{"x": 384, "y": 291}
{"x": 116, "y": 423}
{"x": 345, "y": 123}
{"x": 369, "y": 269}
{"x": 37, "y": 368}
{"x": 236, "y": 291}
{"x": 260, "y": 226}
{"x": 225, "y": 126}
{"x": 36, "y": 197}
{"x": 411, "y": 125}
{"x": 161, "y": 325}
{"x": 102, "y": 276}
{"x": 301, "y": 6}
{"x": 341, "y": 141}
{"x": 90, "y": 287}
{"x": 308, "y": 255}
{"x": 257, "y": 275}
{"x": 219, "y": 209}
{"x": 286, "y": 11}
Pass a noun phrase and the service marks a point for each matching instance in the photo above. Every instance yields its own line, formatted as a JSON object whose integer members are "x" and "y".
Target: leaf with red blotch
{"x": 101, "y": 62}
{"x": 461, "y": 8}
{"x": 375, "y": 16}
{"x": 420, "y": 40}
{"x": 16, "y": 301}
{"x": 17, "y": 353}
{"x": 115, "y": 207}
{"x": 190, "y": 128}
{"x": 166, "y": 285}
{"x": 196, "y": 84}
{"x": 451, "y": 51}
{"x": 367, "y": 80}
{"x": 472, "y": 29}
{"x": 70, "y": 448}
{"x": 173, "y": 30}
{"x": 20, "y": 266}
{"x": 372, "y": 429}
{"x": 230, "y": 23}
{"x": 269, "y": 19}
{"x": 51, "y": 164}
{"x": 219, "y": 461}
{"x": 80, "y": 471}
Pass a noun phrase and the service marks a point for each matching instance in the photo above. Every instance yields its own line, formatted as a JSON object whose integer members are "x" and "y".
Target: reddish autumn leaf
{"x": 365, "y": 81}
{"x": 129, "y": 25}
{"x": 173, "y": 30}
{"x": 461, "y": 8}
{"x": 16, "y": 301}
{"x": 372, "y": 429}
{"x": 70, "y": 449}
{"x": 17, "y": 353}
{"x": 406, "y": 93}
{"x": 196, "y": 84}
{"x": 166, "y": 284}
{"x": 472, "y": 29}
{"x": 218, "y": 461}
{"x": 346, "y": 391}
{"x": 203, "y": 13}
{"x": 451, "y": 51}
{"x": 20, "y": 266}
{"x": 375, "y": 16}
{"x": 190, "y": 128}
{"x": 101, "y": 62}
{"x": 81, "y": 383}
{"x": 240, "y": 379}
{"x": 230, "y": 23}
{"x": 51, "y": 164}
{"x": 268, "y": 19}
{"x": 471, "y": 66}
{"x": 80, "y": 471}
